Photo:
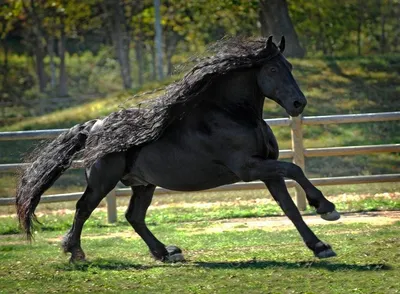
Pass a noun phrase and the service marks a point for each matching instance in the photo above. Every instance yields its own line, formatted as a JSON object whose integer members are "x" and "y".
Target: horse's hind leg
{"x": 280, "y": 193}
{"x": 101, "y": 178}
{"x": 136, "y": 213}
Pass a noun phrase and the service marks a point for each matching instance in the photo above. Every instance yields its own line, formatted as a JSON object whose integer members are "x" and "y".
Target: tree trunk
{"x": 171, "y": 42}
{"x": 5, "y": 67}
{"x": 139, "y": 57}
{"x": 63, "y": 88}
{"x": 121, "y": 40}
{"x": 37, "y": 41}
{"x": 153, "y": 63}
{"x": 39, "y": 60}
{"x": 50, "y": 50}
{"x": 383, "y": 23}
{"x": 359, "y": 25}
{"x": 275, "y": 21}
{"x": 158, "y": 39}
{"x": 265, "y": 30}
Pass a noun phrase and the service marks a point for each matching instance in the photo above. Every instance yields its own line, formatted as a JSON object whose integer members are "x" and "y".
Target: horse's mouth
{"x": 295, "y": 113}
{"x": 292, "y": 111}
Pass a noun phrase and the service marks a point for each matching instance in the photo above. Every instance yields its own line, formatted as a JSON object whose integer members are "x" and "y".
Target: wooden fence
{"x": 298, "y": 153}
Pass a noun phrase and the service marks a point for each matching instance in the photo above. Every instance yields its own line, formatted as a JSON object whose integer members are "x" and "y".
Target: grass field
{"x": 228, "y": 246}
{"x": 224, "y": 254}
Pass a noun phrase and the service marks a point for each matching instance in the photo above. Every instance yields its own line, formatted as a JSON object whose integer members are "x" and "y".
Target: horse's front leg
{"x": 280, "y": 193}
{"x": 271, "y": 169}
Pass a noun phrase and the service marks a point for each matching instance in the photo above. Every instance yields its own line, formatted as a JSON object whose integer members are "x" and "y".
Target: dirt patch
{"x": 283, "y": 223}
{"x": 379, "y": 218}
{"x": 375, "y": 219}
{"x": 126, "y": 235}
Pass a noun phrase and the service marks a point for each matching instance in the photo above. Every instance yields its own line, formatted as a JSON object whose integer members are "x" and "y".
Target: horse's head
{"x": 276, "y": 81}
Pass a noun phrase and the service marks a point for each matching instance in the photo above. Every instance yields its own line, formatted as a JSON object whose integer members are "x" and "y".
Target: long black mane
{"x": 131, "y": 127}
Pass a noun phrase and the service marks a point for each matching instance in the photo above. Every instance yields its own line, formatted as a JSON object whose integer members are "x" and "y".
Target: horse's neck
{"x": 238, "y": 91}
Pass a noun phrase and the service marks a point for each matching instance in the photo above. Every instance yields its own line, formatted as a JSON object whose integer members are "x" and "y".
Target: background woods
{"x": 83, "y": 49}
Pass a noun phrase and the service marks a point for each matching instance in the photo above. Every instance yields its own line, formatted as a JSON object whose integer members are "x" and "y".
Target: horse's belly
{"x": 175, "y": 169}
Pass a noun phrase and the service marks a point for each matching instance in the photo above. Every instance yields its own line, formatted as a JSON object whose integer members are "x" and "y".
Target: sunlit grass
{"x": 236, "y": 261}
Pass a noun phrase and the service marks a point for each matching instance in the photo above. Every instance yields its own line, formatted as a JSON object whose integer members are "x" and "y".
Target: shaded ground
{"x": 232, "y": 261}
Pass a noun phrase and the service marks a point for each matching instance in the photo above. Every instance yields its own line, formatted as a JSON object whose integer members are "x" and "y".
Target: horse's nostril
{"x": 297, "y": 104}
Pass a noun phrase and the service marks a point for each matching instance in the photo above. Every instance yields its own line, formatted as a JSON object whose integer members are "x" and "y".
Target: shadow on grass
{"x": 266, "y": 264}
{"x": 103, "y": 264}
{"x": 117, "y": 265}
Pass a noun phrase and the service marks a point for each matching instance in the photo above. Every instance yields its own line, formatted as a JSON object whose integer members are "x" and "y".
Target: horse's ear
{"x": 269, "y": 43}
{"x": 282, "y": 44}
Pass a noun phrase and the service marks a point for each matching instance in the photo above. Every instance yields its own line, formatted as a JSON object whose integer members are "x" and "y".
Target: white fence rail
{"x": 298, "y": 153}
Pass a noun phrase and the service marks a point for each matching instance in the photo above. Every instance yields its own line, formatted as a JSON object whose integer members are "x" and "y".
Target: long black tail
{"x": 48, "y": 166}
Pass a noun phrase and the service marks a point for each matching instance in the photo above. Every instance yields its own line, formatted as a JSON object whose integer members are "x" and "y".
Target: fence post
{"x": 298, "y": 157}
{"x": 111, "y": 200}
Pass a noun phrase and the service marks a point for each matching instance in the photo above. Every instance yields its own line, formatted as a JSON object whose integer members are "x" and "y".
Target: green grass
{"x": 250, "y": 261}
{"x": 177, "y": 210}
{"x": 239, "y": 260}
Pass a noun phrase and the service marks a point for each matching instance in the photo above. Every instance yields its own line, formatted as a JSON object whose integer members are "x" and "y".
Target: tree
{"x": 158, "y": 39}
{"x": 119, "y": 15}
{"x": 275, "y": 21}
{"x": 137, "y": 24}
{"x": 37, "y": 35}
{"x": 7, "y": 19}
{"x": 63, "y": 85}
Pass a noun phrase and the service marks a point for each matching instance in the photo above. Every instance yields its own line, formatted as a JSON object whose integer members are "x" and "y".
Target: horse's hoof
{"x": 174, "y": 254}
{"x": 331, "y": 216}
{"x": 77, "y": 260}
{"x": 323, "y": 250}
{"x": 326, "y": 254}
{"x": 78, "y": 257}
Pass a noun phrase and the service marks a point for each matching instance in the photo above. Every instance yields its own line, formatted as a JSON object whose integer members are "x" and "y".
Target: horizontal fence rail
{"x": 351, "y": 118}
{"x": 256, "y": 185}
{"x": 298, "y": 153}
{"x": 307, "y": 120}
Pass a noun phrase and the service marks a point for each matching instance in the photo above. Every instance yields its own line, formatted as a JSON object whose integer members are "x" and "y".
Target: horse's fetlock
{"x": 67, "y": 243}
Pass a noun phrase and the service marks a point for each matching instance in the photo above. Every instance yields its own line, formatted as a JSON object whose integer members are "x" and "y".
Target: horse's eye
{"x": 273, "y": 69}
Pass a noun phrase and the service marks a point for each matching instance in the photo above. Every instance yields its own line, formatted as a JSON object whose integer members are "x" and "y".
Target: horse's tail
{"x": 47, "y": 167}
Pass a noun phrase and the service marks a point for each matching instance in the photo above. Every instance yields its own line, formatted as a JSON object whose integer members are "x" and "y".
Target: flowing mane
{"x": 131, "y": 127}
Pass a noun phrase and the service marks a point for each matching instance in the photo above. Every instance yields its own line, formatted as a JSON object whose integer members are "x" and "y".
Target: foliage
{"x": 324, "y": 27}
{"x": 347, "y": 27}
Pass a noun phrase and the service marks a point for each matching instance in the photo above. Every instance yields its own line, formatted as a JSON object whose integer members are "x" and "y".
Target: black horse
{"x": 206, "y": 131}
